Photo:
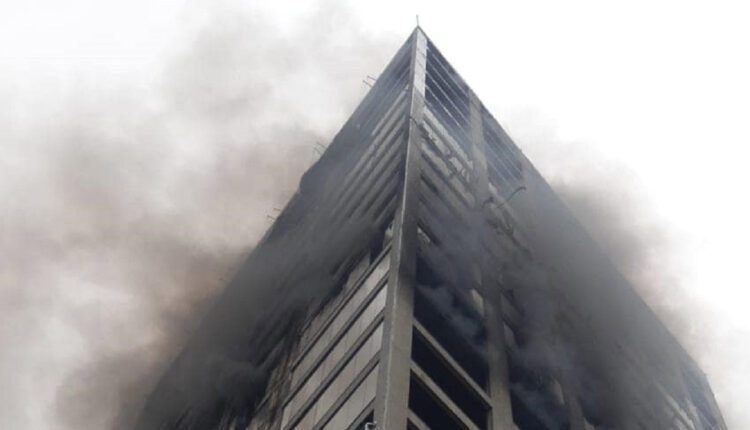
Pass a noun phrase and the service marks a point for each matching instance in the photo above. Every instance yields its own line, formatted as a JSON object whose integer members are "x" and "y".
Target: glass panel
{"x": 344, "y": 314}
{"x": 355, "y": 404}
{"x": 348, "y": 339}
{"x": 353, "y": 367}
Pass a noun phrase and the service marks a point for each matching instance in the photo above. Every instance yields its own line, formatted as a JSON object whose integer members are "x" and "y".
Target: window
{"x": 453, "y": 321}
{"x": 449, "y": 382}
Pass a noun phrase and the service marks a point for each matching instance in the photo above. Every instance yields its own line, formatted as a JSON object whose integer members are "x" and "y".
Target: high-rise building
{"x": 425, "y": 276}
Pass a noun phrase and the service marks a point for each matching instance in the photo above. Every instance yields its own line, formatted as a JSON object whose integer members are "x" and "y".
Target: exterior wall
{"x": 443, "y": 341}
{"x": 332, "y": 380}
{"x": 329, "y": 380}
{"x": 343, "y": 352}
{"x": 482, "y": 304}
{"x": 469, "y": 174}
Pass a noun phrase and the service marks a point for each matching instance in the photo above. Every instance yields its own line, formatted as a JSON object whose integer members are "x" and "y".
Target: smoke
{"x": 565, "y": 275}
{"x": 613, "y": 208}
{"x": 128, "y": 206}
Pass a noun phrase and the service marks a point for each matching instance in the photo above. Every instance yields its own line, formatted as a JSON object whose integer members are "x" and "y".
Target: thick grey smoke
{"x": 564, "y": 269}
{"x": 613, "y": 206}
{"x": 125, "y": 210}
{"x": 609, "y": 202}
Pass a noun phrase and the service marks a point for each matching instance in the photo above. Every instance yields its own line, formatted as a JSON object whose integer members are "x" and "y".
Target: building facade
{"x": 472, "y": 299}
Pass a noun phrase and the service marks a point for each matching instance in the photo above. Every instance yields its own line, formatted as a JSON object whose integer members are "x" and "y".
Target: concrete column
{"x": 501, "y": 416}
{"x": 573, "y": 407}
{"x": 392, "y": 398}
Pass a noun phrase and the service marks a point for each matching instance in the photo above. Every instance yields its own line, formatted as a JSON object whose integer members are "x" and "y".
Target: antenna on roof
{"x": 417, "y": 20}
{"x": 367, "y": 80}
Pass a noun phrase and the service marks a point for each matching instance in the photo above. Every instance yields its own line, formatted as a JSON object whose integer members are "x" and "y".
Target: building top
{"x": 423, "y": 172}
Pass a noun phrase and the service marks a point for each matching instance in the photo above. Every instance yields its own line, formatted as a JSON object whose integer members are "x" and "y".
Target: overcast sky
{"x": 652, "y": 97}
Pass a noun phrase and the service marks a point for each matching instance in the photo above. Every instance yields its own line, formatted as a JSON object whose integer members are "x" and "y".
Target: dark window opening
{"x": 454, "y": 84}
{"x": 369, "y": 419}
{"x": 499, "y": 143}
{"x": 429, "y": 410}
{"x": 379, "y": 212}
{"x": 441, "y": 373}
{"x": 446, "y": 120}
{"x": 523, "y": 417}
{"x": 452, "y": 322}
{"x": 441, "y": 207}
{"x": 533, "y": 403}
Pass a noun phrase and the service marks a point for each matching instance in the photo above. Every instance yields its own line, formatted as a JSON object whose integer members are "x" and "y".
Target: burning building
{"x": 425, "y": 276}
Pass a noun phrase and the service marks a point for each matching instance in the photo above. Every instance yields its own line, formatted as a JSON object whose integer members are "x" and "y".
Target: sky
{"x": 144, "y": 145}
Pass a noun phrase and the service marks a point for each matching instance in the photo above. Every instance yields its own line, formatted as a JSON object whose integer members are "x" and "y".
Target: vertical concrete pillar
{"x": 391, "y": 401}
{"x": 573, "y": 407}
{"x": 501, "y": 416}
